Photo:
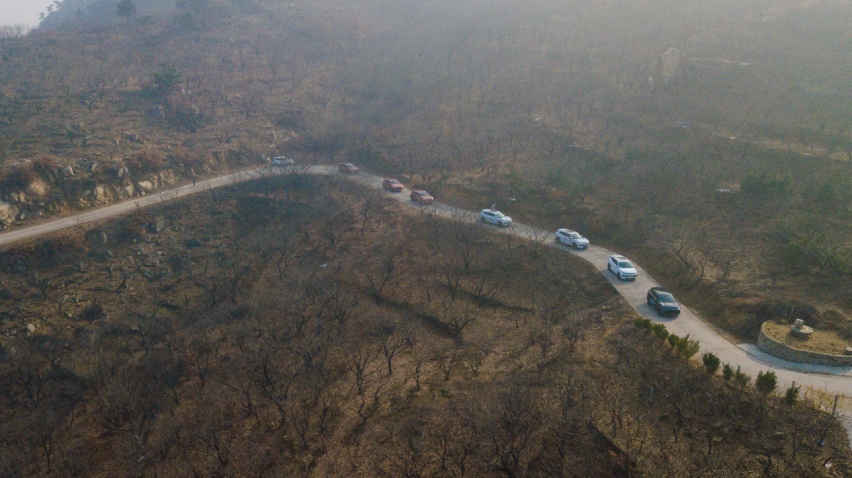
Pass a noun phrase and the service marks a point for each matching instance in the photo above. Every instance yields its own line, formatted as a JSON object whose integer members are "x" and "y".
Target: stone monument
{"x": 799, "y": 329}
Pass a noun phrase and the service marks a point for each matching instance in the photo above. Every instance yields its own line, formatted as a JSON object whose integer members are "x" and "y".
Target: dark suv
{"x": 664, "y": 302}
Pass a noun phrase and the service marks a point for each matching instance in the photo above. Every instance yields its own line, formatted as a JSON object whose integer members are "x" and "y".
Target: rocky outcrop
{"x": 8, "y": 212}
{"x": 37, "y": 188}
{"x": 145, "y": 187}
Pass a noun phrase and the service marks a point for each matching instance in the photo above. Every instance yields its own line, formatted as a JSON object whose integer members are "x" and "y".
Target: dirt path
{"x": 830, "y": 380}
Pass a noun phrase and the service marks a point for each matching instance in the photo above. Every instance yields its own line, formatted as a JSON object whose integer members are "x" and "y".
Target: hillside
{"x": 547, "y": 104}
{"x": 709, "y": 141}
{"x": 348, "y": 335}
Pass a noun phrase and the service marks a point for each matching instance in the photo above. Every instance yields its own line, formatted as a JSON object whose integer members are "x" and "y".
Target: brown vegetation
{"x": 280, "y": 330}
{"x": 547, "y": 104}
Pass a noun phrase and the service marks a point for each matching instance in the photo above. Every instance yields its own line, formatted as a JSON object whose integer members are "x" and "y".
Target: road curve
{"x": 834, "y": 380}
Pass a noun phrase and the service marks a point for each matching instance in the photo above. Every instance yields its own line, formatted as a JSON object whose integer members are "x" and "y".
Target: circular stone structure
{"x": 799, "y": 329}
{"x": 768, "y": 341}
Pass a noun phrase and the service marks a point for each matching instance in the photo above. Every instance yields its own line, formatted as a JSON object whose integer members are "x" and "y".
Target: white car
{"x": 571, "y": 238}
{"x": 622, "y": 267}
{"x": 497, "y": 218}
{"x": 282, "y": 161}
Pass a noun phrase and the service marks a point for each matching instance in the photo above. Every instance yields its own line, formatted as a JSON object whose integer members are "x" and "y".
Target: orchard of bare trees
{"x": 731, "y": 181}
{"x": 400, "y": 345}
{"x": 303, "y": 326}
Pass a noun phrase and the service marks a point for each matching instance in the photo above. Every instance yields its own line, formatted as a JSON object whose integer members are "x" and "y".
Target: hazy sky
{"x": 13, "y": 12}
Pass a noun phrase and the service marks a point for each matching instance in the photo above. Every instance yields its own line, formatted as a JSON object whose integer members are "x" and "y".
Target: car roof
{"x": 619, "y": 258}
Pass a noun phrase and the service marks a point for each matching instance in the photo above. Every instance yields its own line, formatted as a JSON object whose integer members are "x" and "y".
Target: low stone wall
{"x": 782, "y": 351}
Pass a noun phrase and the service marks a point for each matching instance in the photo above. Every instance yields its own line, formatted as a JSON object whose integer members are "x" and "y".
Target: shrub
{"x": 741, "y": 378}
{"x": 18, "y": 178}
{"x": 766, "y": 382}
{"x": 93, "y": 312}
{"x": 688, "y": 347}
{"x": 166, "y": 79}
{"x": 44, "y": 164}
{"x": 642, "y": 323}
{"x": 147, "y": 161}
{"x": 660, "y": 331}
{"x": 673, "y": 340}
{"x": 711, "y": 362}
{"x": 764, "y": 186}
{"x": 791, "y": 396}
{"x": 727, "y": 372}
{"x": 187, "y": 158}
{"x": 185, "y": 115}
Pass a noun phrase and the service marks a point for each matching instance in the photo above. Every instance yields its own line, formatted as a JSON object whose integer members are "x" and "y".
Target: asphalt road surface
{"x": 833, "y": 380}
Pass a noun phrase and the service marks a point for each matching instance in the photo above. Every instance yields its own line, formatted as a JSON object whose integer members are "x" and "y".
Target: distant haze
{"x": 15, "y": 12}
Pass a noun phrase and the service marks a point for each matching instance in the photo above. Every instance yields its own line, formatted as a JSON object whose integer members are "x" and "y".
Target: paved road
{"x": 833, "y": 380}
{"x": 131, "y": 205}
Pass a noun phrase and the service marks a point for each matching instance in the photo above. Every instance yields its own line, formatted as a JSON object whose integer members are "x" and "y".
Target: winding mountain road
{"x": 832, "y": 380}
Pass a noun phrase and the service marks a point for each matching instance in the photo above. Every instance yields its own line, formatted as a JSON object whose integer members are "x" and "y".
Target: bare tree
{"x": 394, "y": 340}
{"x": 509, "y": 424}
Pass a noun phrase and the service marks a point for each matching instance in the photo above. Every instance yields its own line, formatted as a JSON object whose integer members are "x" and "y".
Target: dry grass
{"x": 820, "y": 341}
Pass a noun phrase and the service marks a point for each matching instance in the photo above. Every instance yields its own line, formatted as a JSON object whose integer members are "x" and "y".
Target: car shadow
{"x": 651, "y": 313}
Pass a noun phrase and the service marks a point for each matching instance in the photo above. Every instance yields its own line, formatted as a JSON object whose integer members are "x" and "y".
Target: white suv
{"x": 571, "y": 238}
{"x": 495, "y": 217}
{"x": 623, "y": 268}
{"x": 281, "y": 161}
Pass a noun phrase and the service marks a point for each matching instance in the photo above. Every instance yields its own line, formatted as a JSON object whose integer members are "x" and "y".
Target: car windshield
{"x": 499, "y": 214}
{"x": 575, "y": 235}
{"x": 625, "y": 264}
{"x": 665, "y": 297}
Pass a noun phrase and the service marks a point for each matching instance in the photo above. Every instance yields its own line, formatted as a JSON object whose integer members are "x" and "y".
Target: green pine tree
{"x": 126, "y": 9}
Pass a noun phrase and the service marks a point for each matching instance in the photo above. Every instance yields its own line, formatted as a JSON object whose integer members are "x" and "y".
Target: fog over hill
{"x": 298, "y": 325}
{"x": 102, "y": 11}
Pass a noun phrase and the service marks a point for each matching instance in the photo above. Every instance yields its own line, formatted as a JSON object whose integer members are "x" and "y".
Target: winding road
{"x": 831, "y": 380}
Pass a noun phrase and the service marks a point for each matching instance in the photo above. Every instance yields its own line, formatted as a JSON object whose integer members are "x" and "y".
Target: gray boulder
{"x": 7, "y": 212}
{"x": 145, "y": 186}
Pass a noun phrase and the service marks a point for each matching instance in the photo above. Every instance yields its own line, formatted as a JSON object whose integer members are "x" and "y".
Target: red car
{"x": 348, "y": 168}
{"x": 392, "y": 185}
{"x": 421, "y": 196}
